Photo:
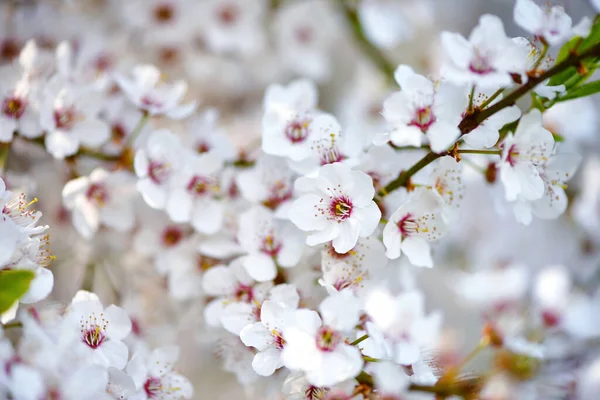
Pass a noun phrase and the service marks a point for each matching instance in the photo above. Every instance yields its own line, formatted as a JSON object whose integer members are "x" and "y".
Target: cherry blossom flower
{"x": 206, "y": 136}
{"x": 229, "y": 284}
{"x": 304, "y": 34}
{"x": 384, "y": 22}
{"x": 411, "y": 228}
{"x": 337, "y": 205}
{"x": 156, "y": 166}
{"x": 296, "y": 387}
{"x": 318, "y": 348}
{"x": 486, "y": 134}
{"x": 103, "y": 197}
{"x": 422, "y": 110}
{"x": 555, "y": 173}
{"x": 70, "y": 117}
{"x": 154, "y": 376}
{"x": 523, "y": 153}
{"x": 267, "y": 336}
{"x": 448, "y": 185}
{"x": 493, "y": 287}
{"x": 270, "y": 182}
{"x": 245, "y": 310}
{"x": 350, "y": 270}
{"x": 234, "y": 26}
{"x": 400, "y": 326}
{"x": 289, "y": 112}
{"x": 193, "y": 194}
{"x": 328, "y": 145}
{"x": 100, "y": 330}
{"x": 154, "y": 97}
{"x": 487, "y": 59}
{"x": 552, "y": 25}
{"x": 269, "y": 243}
{"x": 18, "y": 109}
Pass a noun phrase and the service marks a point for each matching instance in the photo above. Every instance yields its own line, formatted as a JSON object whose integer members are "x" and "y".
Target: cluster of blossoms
{"x": 303, "y": 260}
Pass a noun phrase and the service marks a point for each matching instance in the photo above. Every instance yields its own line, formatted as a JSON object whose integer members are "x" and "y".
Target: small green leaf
{"x": 569, "y": 77}
{"x": 14, "y": 284}
{"x": 582, "y": 91}
{"x": 558, "y": 138}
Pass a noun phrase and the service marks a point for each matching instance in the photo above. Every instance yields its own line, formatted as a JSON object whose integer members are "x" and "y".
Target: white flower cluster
{"x": 80, "y": 353}
{"x": 296, "y": 257}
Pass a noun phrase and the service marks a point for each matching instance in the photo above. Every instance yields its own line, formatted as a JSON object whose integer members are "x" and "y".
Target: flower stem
{"x": 471, "y": 97}
{"x": 541, "y": 57}
{"x": 360, "y": 339}
{"x": 370, "y": 359}
{"x": 378, "y": 58}
{"x": 4, "y": 147}
{"x": 490, "y": 99}
{"x": 404, "y": 176}
{"x": 472, "y": 120}
{"x": 467, "y": 151}
{"x": 16, "y": 324}
{"x": 138, "y": 128}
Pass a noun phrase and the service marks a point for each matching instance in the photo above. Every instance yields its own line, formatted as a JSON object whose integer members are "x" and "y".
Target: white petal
{"x": 418, "y": 251}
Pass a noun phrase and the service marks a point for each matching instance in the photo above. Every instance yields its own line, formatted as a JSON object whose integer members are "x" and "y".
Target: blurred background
{"x": 229, "y": 51}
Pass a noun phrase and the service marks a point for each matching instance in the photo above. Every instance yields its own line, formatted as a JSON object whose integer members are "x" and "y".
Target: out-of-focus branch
{"x": 378, "y": 58}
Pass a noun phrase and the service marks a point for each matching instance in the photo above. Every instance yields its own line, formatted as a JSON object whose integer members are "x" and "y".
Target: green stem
{"x": 466, "y": 151}
{"x": 370, "y": 50}
{"x": 360, "y": 339}
{"x": 541, "y": 57}
{"x": 471, "y": 97}
{"x": 404, "y": 176}
{"x": 16, "y": 324}
{"x": 4, "y": 147}
{"x": 138, "y": 128}
{"x": 493, "y": 97}
{"x": 370, "y": 359}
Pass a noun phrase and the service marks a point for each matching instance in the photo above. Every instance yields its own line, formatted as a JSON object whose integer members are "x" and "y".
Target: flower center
{"x": 228, "y": 14}
{"x": 150, "y": 102}
{"x": 316, "y": 393}
{"x": 423, "y": 118}
{"x": 304, "y": 34}
{"x": 278, "y": 340}
{"x": 244, "y": 293}
{"x": 278, "y": 193}
{"x": 202, "y": 147}
{"x": 270, "y": 246}
{"x": 171, "y": 236}
{"x": 97, "y": 194}
{"x": 164, "y": 13}
{"x": 298, "y": 130}
{"x": 64, "y": 118}
{"x": 327, "y": 339}
{"x": 199, "y": 185}
{"x": 14, "y": 107}
{"x": 513, "y": 155}
{"x": 153, "y": 387}
{"x": 480, "y": 64}
{"x": 93, "y": 336}
{"x": 158, "y": 171}
{"x": 408, "y": 225}
{"x": 204, "y": 263}
{"x": 340, "y": 208}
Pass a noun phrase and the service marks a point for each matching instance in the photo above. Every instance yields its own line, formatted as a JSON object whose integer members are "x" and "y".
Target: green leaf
{"x": 570, "y": 77}
{"x": 14, "y": 284}
{"x": 582, "y": 91}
